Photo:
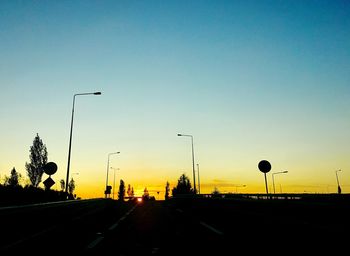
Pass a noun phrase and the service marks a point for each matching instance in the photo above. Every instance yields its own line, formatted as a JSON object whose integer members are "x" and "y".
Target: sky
{"x": 249, "y": 80}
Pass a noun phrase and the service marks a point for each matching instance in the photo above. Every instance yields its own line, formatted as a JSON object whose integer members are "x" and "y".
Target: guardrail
{"x": 258, "y": 196}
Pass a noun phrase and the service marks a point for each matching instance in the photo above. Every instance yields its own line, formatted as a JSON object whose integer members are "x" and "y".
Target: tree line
{"x": 183, "y": 187}
{"x": 12, "y": 192}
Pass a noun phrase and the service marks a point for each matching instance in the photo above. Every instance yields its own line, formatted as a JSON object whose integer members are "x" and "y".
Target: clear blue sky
{"x": 250, "y": 80}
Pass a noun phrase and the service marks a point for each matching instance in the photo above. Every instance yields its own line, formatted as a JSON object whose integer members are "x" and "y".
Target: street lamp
{"x": 336, "y": 174}
{"x": 199, "y": 183}
{"x": 236, "y": 186}
{"x": 71, "y": 133}
{"x": 194, "y": 175}
{"x": 106, "y": 192}
{"x": 114, "y": 179}
{"x": 273, "y": 179}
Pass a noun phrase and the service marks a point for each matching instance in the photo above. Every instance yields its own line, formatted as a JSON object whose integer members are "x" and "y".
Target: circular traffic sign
{"x": 264, "y": 166}
{"x": 50, "y": 168}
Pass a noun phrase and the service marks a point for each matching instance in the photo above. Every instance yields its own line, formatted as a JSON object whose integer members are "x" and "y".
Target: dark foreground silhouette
{"x": 179, "y": 226}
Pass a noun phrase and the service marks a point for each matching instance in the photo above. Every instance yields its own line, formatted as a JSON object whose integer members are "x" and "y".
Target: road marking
{"x": 121, "y": 219}
{"x": 211, "y": 228}
{"x": 94, "y": 243}
{"x": 46, "y": 204}
{"x": 218, "y": 232}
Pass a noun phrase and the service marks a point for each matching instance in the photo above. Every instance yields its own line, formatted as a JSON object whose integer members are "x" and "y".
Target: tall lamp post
{"x": 336, "y": 174}
{"x": 273, "y": 179}
{"x": 194, "y": 175}
{"x": 199, "y": 183}
{"x": 236, "y": 186}
{"x": 71, "y": 133}
{"x": 106, "y": 192}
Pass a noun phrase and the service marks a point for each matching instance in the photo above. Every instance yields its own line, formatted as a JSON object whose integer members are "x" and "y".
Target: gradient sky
{"x": 250, "y": 80}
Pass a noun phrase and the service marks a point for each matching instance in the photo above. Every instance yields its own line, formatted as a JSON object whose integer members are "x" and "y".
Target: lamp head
{"x": 179, "y": 134}
{"x": 97, "y": 93}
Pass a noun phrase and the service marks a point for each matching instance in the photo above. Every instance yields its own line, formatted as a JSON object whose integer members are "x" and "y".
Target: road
{"x": 176, "y": 227}
{"x": 55, "y": 227}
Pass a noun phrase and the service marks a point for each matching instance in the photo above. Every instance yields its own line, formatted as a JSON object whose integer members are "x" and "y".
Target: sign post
{"x": 265, "y": 167}
{"x": 50, "y": 168}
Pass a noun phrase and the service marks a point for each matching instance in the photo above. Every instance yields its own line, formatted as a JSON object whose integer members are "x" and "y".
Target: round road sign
{"x": 264, "y": 166}
{"x": 50, "y": 168}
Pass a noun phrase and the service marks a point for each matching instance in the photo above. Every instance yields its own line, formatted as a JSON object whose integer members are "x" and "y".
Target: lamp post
{"x": 106, "y": 192}
{"x": 336, "y": 174}
{"x": 273, "y": 179}
{"x": 71, "y": 133}
{"x": 243, "y": 185}
{"x": 114, "y": 179}
{"x": 194, "y": 175}
{"x": 199, "y": 183}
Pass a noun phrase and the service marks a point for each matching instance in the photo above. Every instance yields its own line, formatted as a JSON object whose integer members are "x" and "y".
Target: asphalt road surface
{"x": 177, "y": 227}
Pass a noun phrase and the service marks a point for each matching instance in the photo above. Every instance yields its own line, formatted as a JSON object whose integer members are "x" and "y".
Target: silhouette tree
{"x": 14, "y": 178}
{"x": 145, "y": 195}
{"x": 129, "y": 190}
{"x": 215, "y": 191}
{"x": 63, "y": 184}
{"x": 183, "y": 186}
{"x": 121, "y": 192}
{"x": 38, "y": 158}
{"x": 71, "y": 186}
{"x": 167, "y": 190}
